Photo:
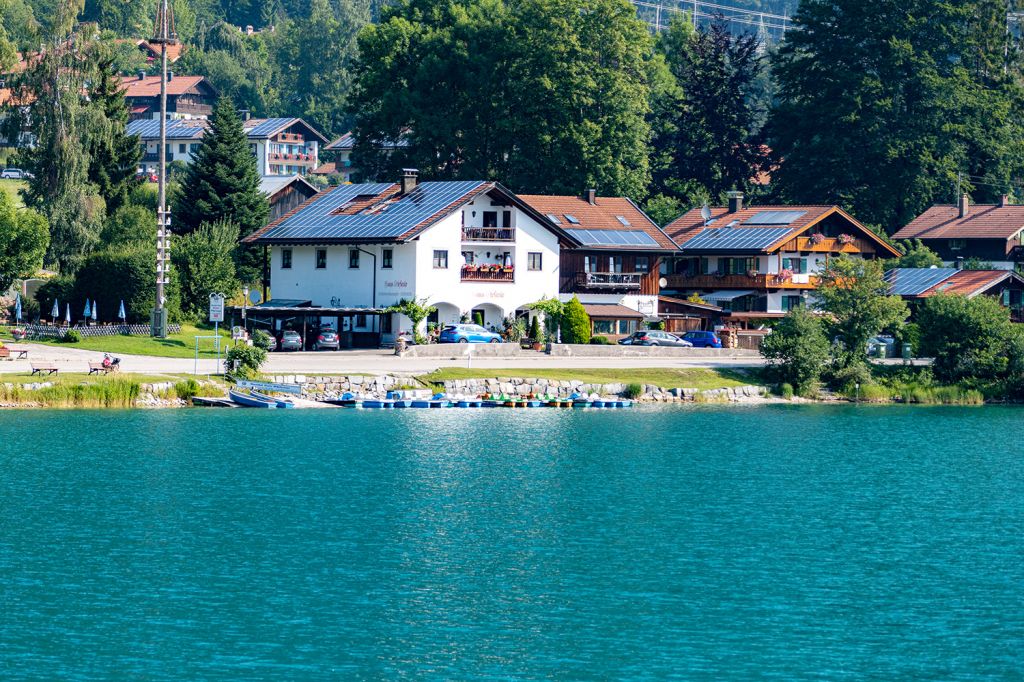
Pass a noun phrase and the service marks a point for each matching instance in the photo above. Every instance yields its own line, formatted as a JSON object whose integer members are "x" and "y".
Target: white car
{"x": 13, "y": 174}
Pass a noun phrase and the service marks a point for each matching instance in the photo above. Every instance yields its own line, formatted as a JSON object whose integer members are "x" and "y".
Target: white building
{"x": 471, "y": 248}
{"x": 282, "y": 146}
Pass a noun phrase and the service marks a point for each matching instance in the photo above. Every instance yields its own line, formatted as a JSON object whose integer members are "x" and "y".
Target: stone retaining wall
{"x": 459, "y": 351}
{"x": 564, "y": 389}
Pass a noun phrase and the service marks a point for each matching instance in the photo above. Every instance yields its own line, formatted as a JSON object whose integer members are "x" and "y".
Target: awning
{"x": 726, "y": 295}
{"x": 612, "y": 311}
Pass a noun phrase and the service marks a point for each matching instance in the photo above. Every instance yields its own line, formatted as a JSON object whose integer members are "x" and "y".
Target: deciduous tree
{"x": 204, "y": 262}
{"x": 24, "y": 237}
{"x": 797, "y": 349}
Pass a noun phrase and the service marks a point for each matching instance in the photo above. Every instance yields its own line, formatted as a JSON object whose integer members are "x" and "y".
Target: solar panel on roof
{"x": 572, "y": 219}
{"x": 149, "y": 129}
{"x": 721, "y": 239}
{"x": 317, "y": 221}
{"x": 612, "y": 237}
{"x": 914, "y": 281}
{"x": 775, "y": 217}
{"x": 268, "y": 127}
{"x": 622, "y": 219}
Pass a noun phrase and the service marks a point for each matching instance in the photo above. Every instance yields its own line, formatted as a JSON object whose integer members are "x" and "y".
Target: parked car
{"x": 289, "y": 339}
{"x": 271, "y": 342}
{"x": 654, "y": 337}
{"x": 467, "y": 333}
{"x": 13, "y": 174}
{"x": 327, "y": 339}
{"x": 703, "y": 339}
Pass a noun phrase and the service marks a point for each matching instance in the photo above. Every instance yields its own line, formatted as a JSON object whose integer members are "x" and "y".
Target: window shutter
{"x": 705, "y": 266}
{"x": 803, "y": 265}
{"x": 786, "y": 262}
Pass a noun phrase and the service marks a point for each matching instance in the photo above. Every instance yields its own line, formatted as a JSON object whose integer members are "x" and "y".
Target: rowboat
{"x": 280, "y": 403}
{"x": 247, "y": 400}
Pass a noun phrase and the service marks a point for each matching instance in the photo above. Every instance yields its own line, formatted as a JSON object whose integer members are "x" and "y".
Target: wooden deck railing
{"x": 758, "y": 281}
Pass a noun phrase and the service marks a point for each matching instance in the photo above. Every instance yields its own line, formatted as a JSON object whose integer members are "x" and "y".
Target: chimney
{"x": 1004, "y": 201}
{"x": 248, "y": 30}
{"x": 410, "y": 178}
{"x": 965, "y": 206}
{"x": 590, "y": 196}
{"x": 959, "y": 263}
{"x": 245, "y": 114}
{"x": 735, "y": 201}
{"x": 142, "y": 74}
{"x": 170, "y": 76}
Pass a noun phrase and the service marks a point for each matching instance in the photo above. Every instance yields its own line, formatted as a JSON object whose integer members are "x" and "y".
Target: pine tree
{"x": 113, "y": 153}
{"x": 223, "y": 184}
{"x": 575, "y": 323}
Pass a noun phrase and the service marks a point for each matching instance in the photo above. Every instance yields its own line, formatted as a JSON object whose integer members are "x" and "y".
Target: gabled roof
{"x": 265, "y": 128}
{"x": 612, "y": 223}
{"x": 177, "y": 129}
{"x": 328, "y": 168}
{"x": 757, "y": 229}
{"x": 149, "y": 86}
{"x": 983, "y": 221}
{"x": 380, "y": 213}
{"x": 174, "y": 50}
{"x": 925, "y": 282}
{"x": 272, "y": 184}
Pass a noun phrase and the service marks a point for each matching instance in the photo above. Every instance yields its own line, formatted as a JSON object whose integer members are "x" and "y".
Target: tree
{"x": 969, "y": 338}
{"x": 130, "y": 224}
{"x": 916, "y": 255}
{"x": 567, "y": 112}
{"x": 24, "y": 236}
{"x": 575, "y": 323}
{"x": 797, "y": 349}
{"x": 118, "y": 273}
{"x": 223, "y": 184}
{"x": 881, "y": 104}
{"x": 535, "y": 333}
{"x": 53, "y": 86}
{"x": 854, "y": 294}
{"x": 709, "y": 131}
{"x": 113, "y": 154}
{"x": 204, "y": 262}
{"x": 416, "y": 311}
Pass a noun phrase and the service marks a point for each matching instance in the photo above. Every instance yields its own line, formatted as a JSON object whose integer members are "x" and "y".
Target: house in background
{"x": 285, "y": 193}
{"x": 188, "y": 97}
{"x": 472, "y": 248}
{"x": 341, "y": 150}
{"x": 988, "y": 232}
{"x": 915, "y": 285}
{"x": 282, "y": 146}
{"x": 761, "y": 261}
{"x": 615, "y": 269}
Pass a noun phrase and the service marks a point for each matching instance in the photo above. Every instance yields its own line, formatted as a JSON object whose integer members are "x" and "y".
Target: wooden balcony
{"x": 488, "y": 234}
{"x": 472, "y": 274}
{"x": 829, "y": 245}
{"x": 609, "y": 281}
{"x": 757, "y": 281}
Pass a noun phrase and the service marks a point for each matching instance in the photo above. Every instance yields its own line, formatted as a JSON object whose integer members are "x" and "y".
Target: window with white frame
{"x": 534, "y": 260}
{"x": 440, "y": 259}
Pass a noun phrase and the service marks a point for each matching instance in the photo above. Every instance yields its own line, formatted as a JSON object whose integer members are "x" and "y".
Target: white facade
{"x": 431, "y": 267}
{"x": 642, "y": 303}
{"x": 272, "y": 158}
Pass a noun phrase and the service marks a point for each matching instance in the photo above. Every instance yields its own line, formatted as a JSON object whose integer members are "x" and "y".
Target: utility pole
{"x": 164, "y": 35}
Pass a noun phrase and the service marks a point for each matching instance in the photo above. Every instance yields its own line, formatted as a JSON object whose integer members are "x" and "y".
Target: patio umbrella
{"x": 55, "y": 313}
{"x": 120, "y": 312}
{"x": 94, "y": 313}
{"x": 67, "y": 314}
{"x": 87, "y": 311}
{"x": 17, "y": 308}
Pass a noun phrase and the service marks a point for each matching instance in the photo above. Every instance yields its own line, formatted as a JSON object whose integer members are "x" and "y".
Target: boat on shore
{"x": 248, "y": 400}
{"x": 279, "y": 401}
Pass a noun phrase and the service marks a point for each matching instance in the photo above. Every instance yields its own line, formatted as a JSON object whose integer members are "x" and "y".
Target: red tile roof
{"x": 969, "y": 282}
{"x": 149, "y": 86}
{"x": 174, "y": 50}
{"x": 983, "y": 221}
{"x": 601, "y": 215}
{"x": 325, "y": 169}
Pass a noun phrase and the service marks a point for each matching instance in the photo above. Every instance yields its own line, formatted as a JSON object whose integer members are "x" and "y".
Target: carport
{"x": 274, "y": 315}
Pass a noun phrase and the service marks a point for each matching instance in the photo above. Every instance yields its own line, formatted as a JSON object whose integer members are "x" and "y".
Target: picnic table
{"x": 44, "y": 368}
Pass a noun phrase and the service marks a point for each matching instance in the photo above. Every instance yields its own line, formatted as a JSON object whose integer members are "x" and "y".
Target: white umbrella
{"x": 67, "y": 314}
{"x": 55, "y": 313}
{"x": 17, "y": 307}
{"x": 94, "y": 313}
{"x": 120, "y": 312}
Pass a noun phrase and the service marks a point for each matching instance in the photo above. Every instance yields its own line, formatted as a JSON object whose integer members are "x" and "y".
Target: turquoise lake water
{"x": 727, "y": 543}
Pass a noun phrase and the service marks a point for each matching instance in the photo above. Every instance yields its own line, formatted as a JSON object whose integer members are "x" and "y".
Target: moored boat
{"x": 247, "y": 400}
{"x": 280, "y": 402}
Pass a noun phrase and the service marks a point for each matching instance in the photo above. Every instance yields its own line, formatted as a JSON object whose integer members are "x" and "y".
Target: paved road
{"x": 356, "y": 361}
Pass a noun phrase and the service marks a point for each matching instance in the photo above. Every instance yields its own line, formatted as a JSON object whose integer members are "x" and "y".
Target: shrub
{"x": 575, "y": 323}
{"x": 249, "y": 359}
{"x": 846, "y": 378}
{"x": 633, "y": 391}
{"x": 600, "y": 341}
{"x": 970, "y": 338}
{"x": 868, "y": 393}
{"x": 786, "y": 391}
{"x": 72, "y": 336}
{"x": 797, "y": 349}
{"x": 261, "y": 339}
{"x": 186, "y": 390}
{"x": 535, "y": 332}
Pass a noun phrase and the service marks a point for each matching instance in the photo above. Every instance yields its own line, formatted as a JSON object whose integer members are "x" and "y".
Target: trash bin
{"x": 880, "y": 351}
{"x": 907, "y": 351}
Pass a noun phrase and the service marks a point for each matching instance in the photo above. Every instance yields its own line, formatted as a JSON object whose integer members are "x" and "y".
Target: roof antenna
{"x": 705, "y": 213}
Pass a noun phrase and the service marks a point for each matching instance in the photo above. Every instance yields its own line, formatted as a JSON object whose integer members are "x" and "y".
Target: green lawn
{"x": 701, "y": 379}
{"x": 83, "y": 377}
{"x": 181, "y": 345}
{"x": 11, "y": 187}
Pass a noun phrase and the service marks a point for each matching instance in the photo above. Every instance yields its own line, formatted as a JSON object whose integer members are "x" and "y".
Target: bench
{"x": 44, "y": 369}
{"x": 21, "y": 353}
{"x": 97, "y": 367}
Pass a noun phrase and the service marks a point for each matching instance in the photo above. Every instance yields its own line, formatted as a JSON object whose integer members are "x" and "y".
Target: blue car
{"x": 703, "y": 339}
{"x": 468, "y": 333}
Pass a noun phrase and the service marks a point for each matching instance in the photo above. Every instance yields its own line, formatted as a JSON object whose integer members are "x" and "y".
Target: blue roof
{"x": 723, "y": 239}
{"x": 914, "y": 281}
{"x": 268, "y": 126}
{"x": 385, "y": 220}
{"x": 177, "y": 129}
{"x": 612, "y": 237}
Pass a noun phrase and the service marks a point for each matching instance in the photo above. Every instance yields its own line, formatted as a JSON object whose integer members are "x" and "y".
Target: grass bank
{"x": 181, "y": 345}
{"x": 700, "y": 379}
{"x": 85, "y": 390}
